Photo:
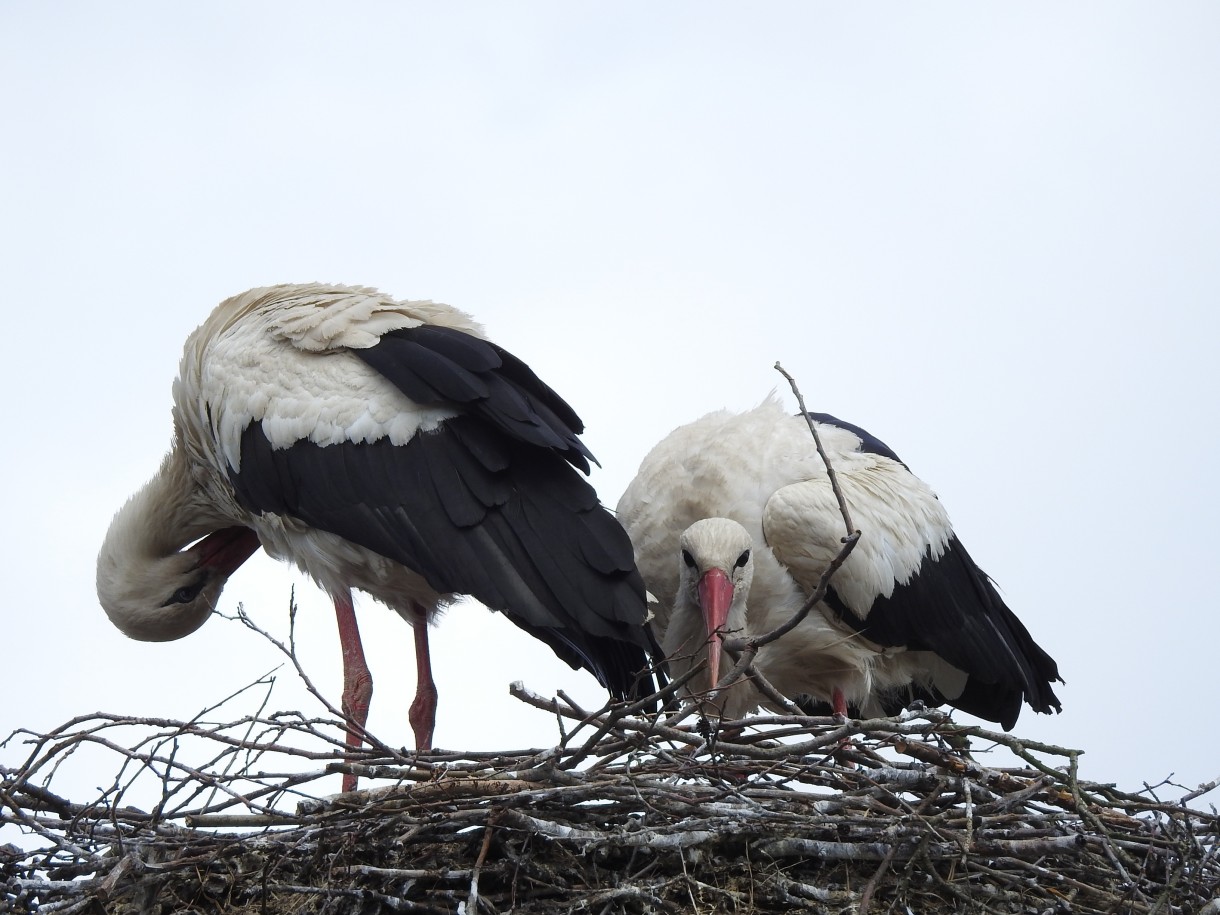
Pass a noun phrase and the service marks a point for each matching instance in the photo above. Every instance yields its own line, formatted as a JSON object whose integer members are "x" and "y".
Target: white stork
{"x": 734, "y": 521}
{"x": 384, "y": 446}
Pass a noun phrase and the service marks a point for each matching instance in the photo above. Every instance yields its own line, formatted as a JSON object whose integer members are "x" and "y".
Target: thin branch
{"x": 628, "y": 810}
{"x": 850, "y": 539}
{"x": 848, "y": 527}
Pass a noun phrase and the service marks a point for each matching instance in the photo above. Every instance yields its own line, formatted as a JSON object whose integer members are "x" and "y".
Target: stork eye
{"x": 688, "y": 559}
{"x": 186, "y": 593}
{"x": 742, "y": 560}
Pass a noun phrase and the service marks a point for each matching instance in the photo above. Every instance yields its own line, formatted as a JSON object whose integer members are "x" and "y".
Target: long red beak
{"x": 715, "y": 598}
{"x": 226, "y": 549}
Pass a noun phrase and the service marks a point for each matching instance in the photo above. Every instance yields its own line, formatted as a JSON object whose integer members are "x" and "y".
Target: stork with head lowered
{"x": 385, "y": 446}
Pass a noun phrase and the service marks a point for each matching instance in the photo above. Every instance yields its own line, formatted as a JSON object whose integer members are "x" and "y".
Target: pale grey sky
{"x": 987, "y": 233}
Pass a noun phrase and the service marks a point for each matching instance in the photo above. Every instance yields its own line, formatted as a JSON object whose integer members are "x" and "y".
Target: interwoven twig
{"x": 627, "y": 813}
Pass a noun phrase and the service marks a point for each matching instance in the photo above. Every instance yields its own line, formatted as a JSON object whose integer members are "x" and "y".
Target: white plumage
{"x": 385, "y": 446}
{"x": 908, "y": 615}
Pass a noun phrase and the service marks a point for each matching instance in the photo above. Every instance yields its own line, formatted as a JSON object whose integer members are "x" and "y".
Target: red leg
{"x": 839, "y": 702}
{"x": 357, "y": 681}
{"x": 423, "y": 710}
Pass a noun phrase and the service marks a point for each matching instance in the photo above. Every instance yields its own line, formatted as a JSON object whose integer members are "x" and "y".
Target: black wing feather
{"x": 433, "y": 365}
{"x": 869, "y": 443}
{"x": 484, "y": 505}
{"x": 950, "y": 607}
{"x": 477, "y": 513}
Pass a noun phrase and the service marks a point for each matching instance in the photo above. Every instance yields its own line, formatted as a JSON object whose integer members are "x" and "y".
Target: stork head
{"x": 150, "y": 586}
{"x": 716, "y": 567}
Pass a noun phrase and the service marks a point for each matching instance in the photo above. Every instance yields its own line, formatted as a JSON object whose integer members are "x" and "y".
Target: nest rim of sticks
{"x": 629, "y": 812}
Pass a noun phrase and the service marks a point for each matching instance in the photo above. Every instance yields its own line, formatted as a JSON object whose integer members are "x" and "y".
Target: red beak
{"x": 226, "y": 549}
{"x": 715, "y": 598}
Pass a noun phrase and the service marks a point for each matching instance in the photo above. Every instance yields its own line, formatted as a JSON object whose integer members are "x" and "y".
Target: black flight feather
{"x": 951, "y": 608}
{"x": 509, "y": 395}
{"x": 484, "y": 505}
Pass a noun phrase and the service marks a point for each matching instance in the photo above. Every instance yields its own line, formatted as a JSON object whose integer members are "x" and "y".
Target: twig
{"x": 639, "y": 813}
{"x": 289, "y": 651}
{"x": 849, "y": 528}
{"x": 748, "y": 647}
{"x": 472, "y": 901}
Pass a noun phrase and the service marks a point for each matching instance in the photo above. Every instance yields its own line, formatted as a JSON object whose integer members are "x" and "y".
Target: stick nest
{"x": 629, "y": 813}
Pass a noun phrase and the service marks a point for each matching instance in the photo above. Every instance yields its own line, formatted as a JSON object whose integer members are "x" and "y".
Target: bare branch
{"x": 849, "y": 528}
{"x": 629, "y": 811}
{"x": 748, "y": 647}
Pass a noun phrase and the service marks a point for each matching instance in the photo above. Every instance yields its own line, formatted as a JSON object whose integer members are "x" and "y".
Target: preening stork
{"x": 385, "y": 446}
{"x": 734, "y": 521}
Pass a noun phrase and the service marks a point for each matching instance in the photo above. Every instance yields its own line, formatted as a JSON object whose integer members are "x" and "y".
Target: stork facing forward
{"x": 385, "y": 446}
{"x": 734, "y": 521}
